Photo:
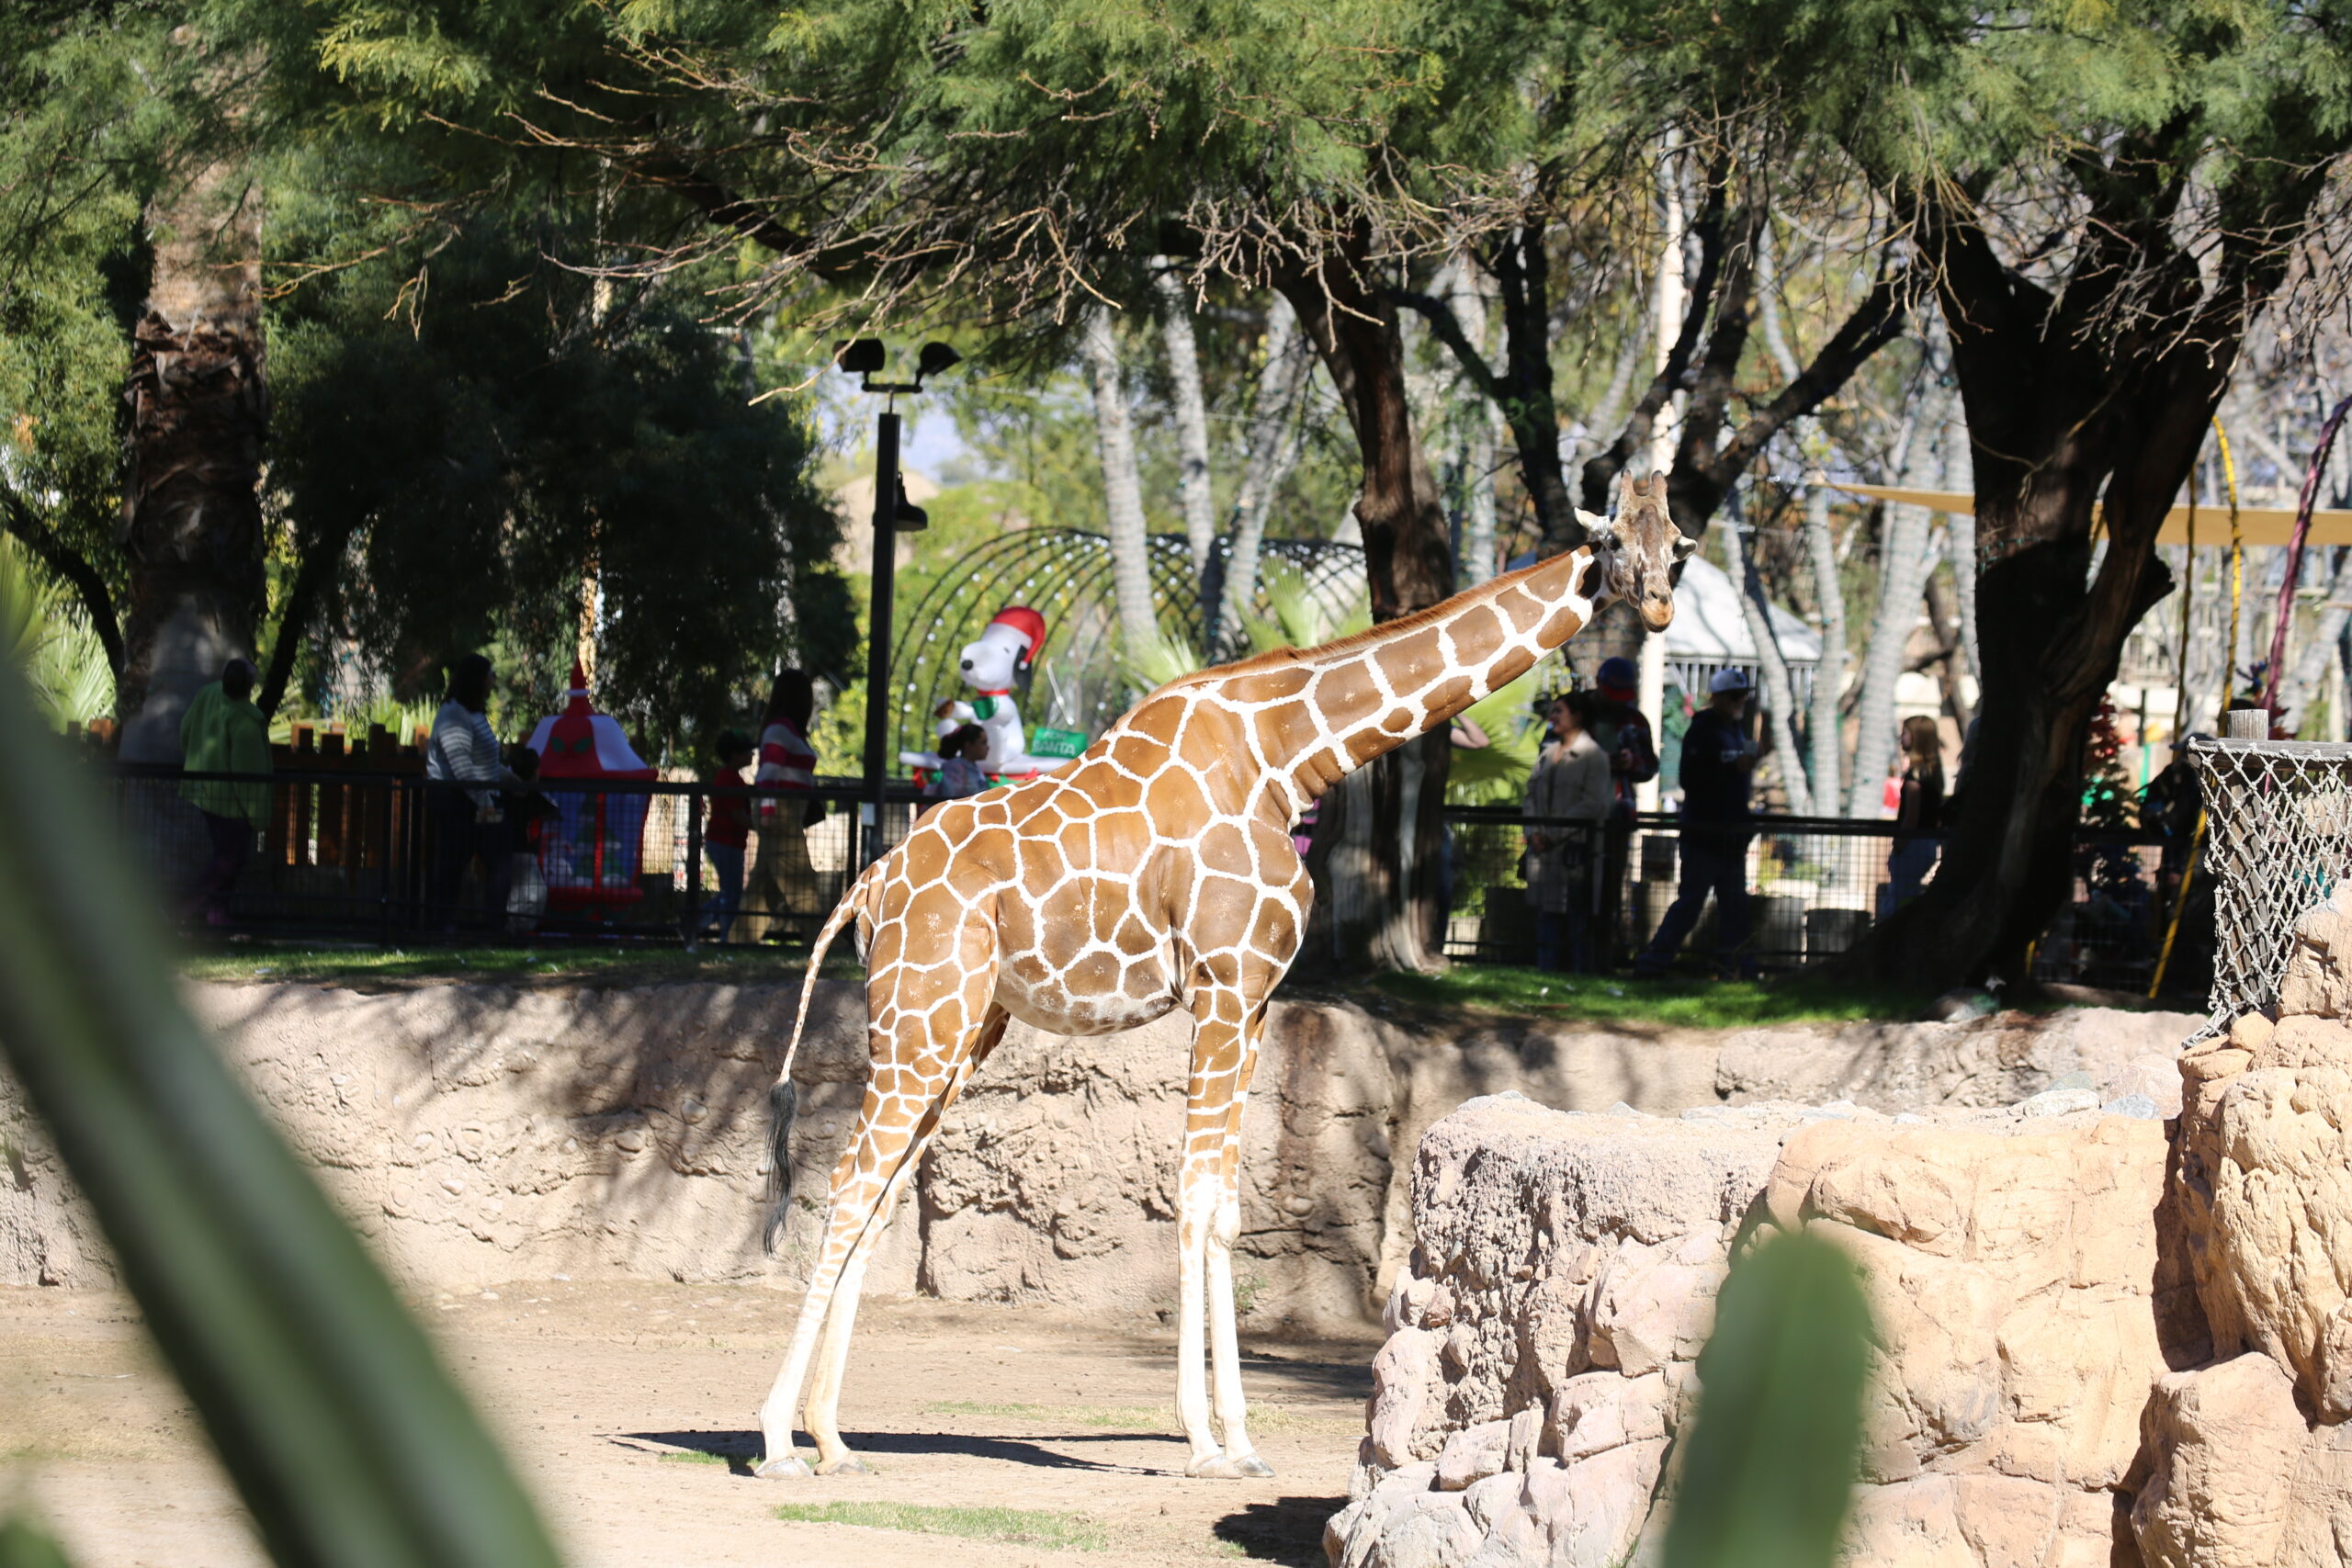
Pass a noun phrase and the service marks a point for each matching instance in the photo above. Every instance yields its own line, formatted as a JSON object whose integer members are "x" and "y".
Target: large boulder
{"x": 1542, "y": 1347}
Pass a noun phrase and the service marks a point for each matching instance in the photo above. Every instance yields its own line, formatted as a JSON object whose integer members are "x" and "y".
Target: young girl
{"x": 960, "y": 772}
{"x": 725, "y": 833}
{"x": 1919, "y": 812}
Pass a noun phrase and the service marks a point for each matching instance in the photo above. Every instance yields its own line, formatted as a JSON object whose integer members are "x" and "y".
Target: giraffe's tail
{"x": 784, "y": 1100}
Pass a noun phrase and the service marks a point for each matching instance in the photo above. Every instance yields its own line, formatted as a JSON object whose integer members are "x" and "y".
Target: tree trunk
{"x": 1391, "y": 919}
{"x": 1122, "y": 486}
{"x": 1274, "y": 451}
{"x": 1780, "y": 693}
{"x": 2068, "y": 411}
{"x": 1192, "y": 416}
{"x": 197, "y": 413}
{"x": 1903, "y": 576}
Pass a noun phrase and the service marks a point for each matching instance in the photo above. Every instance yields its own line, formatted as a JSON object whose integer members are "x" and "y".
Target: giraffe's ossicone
{"x": 1155, "y": 871}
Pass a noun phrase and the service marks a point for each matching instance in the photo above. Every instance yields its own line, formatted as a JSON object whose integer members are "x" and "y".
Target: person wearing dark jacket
{"x": 1718, "y": 764}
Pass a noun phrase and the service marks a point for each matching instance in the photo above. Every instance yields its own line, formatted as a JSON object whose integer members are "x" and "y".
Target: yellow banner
{"x": 2257, "y": 524}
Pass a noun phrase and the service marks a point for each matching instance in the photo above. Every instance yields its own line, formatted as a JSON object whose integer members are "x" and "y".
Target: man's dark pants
{"x": 232, "y": 846}
{"x": 1715, "y": 860}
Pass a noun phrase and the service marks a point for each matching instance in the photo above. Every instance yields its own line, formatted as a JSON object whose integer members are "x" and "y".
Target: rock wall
{"x": 2108, "y": 1331}
{"x": 1542, "y": 1351}
{"x": 488, "y": 1133}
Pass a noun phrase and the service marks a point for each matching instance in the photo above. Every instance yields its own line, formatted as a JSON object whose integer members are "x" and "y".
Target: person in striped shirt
{"x": 783, "y": 882}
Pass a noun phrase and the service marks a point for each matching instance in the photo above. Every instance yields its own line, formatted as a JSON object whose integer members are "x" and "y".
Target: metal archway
{"x": 1064, "y": 574}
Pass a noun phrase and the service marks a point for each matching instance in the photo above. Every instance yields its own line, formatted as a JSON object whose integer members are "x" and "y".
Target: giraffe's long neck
{"x": 1328, "y": 711}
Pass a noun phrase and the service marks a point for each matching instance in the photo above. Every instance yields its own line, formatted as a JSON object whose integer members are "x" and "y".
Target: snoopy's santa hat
{"x": 1025, "y": 621}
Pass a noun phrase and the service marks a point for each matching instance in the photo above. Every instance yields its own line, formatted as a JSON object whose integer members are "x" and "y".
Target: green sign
{"x": 1056, "y": 742}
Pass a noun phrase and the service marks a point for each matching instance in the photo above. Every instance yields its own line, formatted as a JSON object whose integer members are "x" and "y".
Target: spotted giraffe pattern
{"x": 1155, "y": 871}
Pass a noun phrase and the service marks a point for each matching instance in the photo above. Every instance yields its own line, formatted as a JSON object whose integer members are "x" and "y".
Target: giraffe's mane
{"x": 1279, "y": 658}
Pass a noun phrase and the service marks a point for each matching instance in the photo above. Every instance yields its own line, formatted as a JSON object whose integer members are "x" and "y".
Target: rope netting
{"x": 2279, "y": 838}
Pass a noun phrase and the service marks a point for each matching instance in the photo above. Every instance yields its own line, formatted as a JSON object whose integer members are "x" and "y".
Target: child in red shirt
{"x": 725, "y": 832}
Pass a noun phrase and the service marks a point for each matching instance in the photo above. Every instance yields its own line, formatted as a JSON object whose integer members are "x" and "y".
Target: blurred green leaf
{"x": 351, "y": 1445}
{"x": 22, "y": 1546}
{"x": 1768, "y": 1463}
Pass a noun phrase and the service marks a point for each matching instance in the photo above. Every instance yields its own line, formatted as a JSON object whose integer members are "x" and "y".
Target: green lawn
{"x": 1504, "y": 989}
{"x": 1475, "y": 988}
{"x": 548, "y": 962}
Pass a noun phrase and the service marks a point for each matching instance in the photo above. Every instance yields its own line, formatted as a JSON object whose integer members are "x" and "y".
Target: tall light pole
{"x": 893, "y": 515}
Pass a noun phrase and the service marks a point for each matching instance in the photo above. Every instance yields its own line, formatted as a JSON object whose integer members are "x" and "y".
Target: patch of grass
{"x": 547, "y": 962}
{"x": 1505, "y": 989}
{"x": 1014, "y": 1526}
{"x": 694, "y": 1455}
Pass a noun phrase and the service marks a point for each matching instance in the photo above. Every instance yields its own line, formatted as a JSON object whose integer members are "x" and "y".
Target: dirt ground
{"x": 628, "y": 1410}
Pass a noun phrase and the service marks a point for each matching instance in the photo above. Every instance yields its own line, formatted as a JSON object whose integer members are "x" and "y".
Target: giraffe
{"x": 1155, "y": 871}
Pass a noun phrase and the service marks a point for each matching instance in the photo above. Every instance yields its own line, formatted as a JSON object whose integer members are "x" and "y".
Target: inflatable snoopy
{"x": 1004, "y": 651}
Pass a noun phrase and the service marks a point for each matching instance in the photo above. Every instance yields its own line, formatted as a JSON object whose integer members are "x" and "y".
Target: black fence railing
{"x": 1815, "y": 885}
{"x": 396, "y": 857}
{"x": 381, "y": 856}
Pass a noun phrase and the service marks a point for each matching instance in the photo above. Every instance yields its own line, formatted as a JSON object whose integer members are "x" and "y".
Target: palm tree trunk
{"x": 1121, "y": 486}
{"x": 1192, "y": 415}
{"x": 197, "y": 416}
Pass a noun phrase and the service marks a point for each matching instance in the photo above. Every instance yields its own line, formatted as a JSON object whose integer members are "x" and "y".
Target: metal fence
{"x": 385, "y": 857}
{"x": 1816, "y": 885}
{"x": 391, "y": 856}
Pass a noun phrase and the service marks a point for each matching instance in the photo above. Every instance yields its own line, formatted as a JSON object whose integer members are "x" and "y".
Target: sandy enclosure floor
{"x": 628, "y": 1410}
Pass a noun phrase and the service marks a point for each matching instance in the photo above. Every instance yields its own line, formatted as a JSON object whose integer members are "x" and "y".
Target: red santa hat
{"x": 1028, "y": 623}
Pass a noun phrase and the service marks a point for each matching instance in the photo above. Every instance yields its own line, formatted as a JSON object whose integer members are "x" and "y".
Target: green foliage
{"x": 328, "y": 1409}
{"x": 472, "y": 460}
{"x": 22, "y": 1546}
{"x": 46, "y": 637}
{"x": 87, "y": 97}
{"x": 1769, "y": 1459}
{"x": 1497, "y": 774}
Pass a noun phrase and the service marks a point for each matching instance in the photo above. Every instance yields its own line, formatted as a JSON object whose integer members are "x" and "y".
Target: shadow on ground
{"x": 741, "y": 1450}
{"x": 1287, "y": 1530}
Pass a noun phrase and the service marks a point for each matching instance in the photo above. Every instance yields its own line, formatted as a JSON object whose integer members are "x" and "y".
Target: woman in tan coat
{"x": 1570, "y": 785}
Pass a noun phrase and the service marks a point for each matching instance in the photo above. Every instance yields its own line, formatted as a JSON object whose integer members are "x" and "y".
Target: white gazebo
{"x": 1710, "y": 633}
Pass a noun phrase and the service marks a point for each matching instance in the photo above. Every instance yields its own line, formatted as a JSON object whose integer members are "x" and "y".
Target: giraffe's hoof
{"x": 1224, "y": 1467}
{"x": 790, "y": 1467}
{"x": 848, "y": 1464}
{"x": 1249, "y": 1467}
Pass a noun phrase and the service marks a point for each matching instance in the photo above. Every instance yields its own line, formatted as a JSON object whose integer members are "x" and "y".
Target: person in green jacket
{"x": 223, "y": 732}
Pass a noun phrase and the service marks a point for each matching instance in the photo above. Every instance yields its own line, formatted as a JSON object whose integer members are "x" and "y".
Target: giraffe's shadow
{"x": 740, "y": 1451}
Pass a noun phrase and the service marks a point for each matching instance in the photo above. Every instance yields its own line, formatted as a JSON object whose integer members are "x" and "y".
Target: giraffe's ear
{"x": 1598, "y": 532}
{"x": 1685, "y": 547}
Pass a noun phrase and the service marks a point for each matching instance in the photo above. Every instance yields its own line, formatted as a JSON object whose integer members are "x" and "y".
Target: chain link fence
{"x": 2277, "y": 839}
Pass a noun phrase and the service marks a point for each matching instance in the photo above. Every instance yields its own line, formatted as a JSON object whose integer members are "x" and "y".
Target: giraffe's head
{"x": 1640, "y": 547}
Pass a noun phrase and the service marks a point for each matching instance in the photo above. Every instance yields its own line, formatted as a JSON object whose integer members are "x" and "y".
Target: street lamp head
{"x": 935, "y": 358}
{"x": 862, "y": 357}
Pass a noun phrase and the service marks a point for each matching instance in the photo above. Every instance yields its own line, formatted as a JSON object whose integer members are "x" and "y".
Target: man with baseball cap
{"x": 1718, "y": 762}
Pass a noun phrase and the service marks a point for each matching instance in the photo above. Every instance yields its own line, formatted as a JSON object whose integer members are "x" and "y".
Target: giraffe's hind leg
{"x": 823, "y": 1413}
{"x": 1240, "y": 1457}
{"x": 924, "y": 1026}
